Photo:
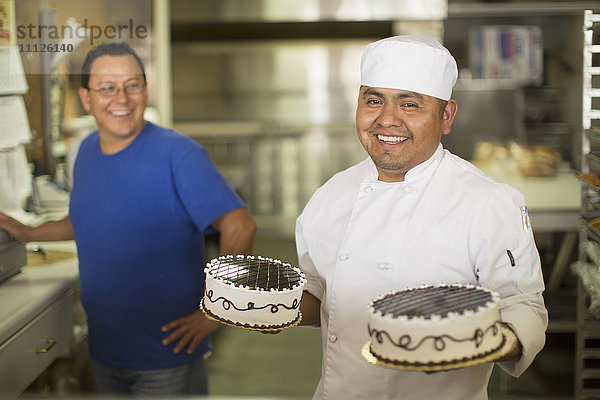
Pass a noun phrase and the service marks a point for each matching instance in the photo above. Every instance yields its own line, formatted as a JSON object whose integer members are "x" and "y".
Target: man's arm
{"x": 237, "y": 229}
{"x": 49, "y": 231}
{"x": 508, "y": 263}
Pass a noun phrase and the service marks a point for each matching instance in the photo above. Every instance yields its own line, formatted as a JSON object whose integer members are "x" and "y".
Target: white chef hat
{"x": 413, "y": 63}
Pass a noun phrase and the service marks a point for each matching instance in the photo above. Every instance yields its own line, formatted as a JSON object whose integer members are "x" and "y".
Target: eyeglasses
{"x": 110, "y": 91}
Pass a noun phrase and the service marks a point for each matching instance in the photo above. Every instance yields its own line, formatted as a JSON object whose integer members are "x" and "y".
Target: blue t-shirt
{"x": 139, "y": 217}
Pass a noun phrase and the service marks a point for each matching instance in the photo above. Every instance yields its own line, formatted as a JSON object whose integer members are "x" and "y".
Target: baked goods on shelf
{"x": 591, "y": 178}
{"x": 595, "y": 223}
{"x": 513, "y": 158}
{"x": 435, "y": 327}
{"x": 253, "y": 292}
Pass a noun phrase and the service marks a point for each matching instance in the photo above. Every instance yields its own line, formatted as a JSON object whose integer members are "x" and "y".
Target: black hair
{"x": 107, "y": 49}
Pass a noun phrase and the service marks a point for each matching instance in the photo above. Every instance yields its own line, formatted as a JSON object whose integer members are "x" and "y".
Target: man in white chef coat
{"x": 410, "y": 214}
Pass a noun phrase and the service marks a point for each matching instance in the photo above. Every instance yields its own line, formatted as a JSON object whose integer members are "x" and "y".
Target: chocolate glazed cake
{"x": 435, "y": 325}
{"x": 253, "y": 292}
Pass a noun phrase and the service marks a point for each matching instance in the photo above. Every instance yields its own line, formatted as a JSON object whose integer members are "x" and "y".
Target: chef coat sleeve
{"x": 314, "y": 283}
{"x": 508, "y": 262}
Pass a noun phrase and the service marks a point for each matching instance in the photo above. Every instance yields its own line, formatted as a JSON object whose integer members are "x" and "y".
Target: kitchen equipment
{"x": 13, "y": 256}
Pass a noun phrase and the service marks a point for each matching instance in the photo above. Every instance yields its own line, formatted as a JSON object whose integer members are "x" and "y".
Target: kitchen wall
{"x": 270, "y": 90}
{"x": 279, "y": 86}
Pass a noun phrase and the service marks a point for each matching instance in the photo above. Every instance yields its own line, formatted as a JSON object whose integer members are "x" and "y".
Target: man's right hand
{"x": 15, "y": 229}
{"x": 50, "y": 231}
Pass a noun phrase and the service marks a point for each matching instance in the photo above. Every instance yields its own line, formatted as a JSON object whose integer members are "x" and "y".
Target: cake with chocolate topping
{"x": 434, "y": 325}
{"x": 253, "y": 292}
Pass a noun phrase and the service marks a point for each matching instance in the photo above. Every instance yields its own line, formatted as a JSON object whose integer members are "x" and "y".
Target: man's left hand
{"x": 189, "y": 330}
{"x": 516, "y": 350}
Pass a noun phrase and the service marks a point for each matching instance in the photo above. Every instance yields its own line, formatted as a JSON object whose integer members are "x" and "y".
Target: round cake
{"x": 434, "y": 325}
{"x": 253, "y": 292}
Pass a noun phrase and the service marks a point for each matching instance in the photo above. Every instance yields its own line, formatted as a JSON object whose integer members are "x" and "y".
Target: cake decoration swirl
{"x": 438, "y": 342}
{"x": 227, "y": 304}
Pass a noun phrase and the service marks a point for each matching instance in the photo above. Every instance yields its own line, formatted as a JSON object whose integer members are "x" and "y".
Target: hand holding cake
{"x": 253, "y": 292}
{"x": 436, "y": 328}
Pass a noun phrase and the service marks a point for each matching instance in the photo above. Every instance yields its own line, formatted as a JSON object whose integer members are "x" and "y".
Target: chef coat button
{"x": 369, "y": 189}
{"x": 332, "y": 338}
{"x": 344, "y": 256}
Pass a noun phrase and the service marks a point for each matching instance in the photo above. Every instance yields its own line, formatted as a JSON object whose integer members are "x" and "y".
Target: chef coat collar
{"x": 416, "y": 174}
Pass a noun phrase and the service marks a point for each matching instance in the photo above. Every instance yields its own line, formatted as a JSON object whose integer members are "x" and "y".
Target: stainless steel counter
{"x": 36, "y": 320}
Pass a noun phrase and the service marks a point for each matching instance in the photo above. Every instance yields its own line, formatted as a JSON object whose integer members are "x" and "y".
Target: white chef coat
{"x": 359, "y": 238}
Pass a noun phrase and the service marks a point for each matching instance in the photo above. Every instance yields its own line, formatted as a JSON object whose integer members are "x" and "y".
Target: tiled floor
{"x": 247, "y": 363}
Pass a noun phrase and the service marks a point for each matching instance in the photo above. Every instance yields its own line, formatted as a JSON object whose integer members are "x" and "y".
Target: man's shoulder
{"x": 460, "y": 173}
{"x": 169, "y": 137}
{"x": 90, "y": 140}
{"x": 347, "y": 179}
{"x": 466, "y": 171}
{"x": 163, "y": 132}
{"x": 336, "y": 191}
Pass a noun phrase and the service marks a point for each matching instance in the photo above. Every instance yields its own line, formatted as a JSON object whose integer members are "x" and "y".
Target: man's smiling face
{"x": 120, "y": 117}
{"x": 400, "y": 129}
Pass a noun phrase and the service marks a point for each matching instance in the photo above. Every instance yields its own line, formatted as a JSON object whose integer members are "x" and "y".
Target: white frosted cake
{"x": 435, "y": 325}
{"x": 253, "y": 292}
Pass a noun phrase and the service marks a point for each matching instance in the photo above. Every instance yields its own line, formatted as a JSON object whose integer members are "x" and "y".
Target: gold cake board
{"x": 509, "y": 341}
{"x": 263, "y": 329}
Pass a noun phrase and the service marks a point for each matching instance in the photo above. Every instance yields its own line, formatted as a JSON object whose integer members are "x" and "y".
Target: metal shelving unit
{"x": 587, "y": 357}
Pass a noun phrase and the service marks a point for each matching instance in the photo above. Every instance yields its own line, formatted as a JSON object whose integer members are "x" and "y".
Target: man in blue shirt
{"x": 143, "y": 196}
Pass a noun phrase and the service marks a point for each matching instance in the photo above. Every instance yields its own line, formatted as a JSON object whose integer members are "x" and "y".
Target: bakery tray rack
{"x": 587, "y": 348}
